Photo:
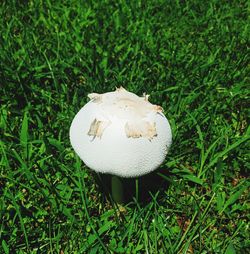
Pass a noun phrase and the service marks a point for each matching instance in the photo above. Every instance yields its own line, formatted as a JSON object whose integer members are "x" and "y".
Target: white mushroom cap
{"x": 121, "y": 133}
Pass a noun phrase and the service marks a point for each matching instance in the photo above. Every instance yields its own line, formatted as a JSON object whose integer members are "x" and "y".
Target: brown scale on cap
{"x": 140, "y": 129}
{"x": 97, "y": 128}
{"x": 125, "y": 105}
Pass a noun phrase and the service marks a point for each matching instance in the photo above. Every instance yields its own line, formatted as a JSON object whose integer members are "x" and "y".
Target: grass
{"x": 191, "y": 57}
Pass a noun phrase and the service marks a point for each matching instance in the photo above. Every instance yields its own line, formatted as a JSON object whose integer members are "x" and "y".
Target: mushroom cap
{"x": 121, "y": 133}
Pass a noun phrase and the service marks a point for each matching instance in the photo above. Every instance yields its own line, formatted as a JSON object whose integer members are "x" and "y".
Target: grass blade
{"x": 24, "y": 135}
{"x": 234, "y": 197}
{"x": 223, "y": 153}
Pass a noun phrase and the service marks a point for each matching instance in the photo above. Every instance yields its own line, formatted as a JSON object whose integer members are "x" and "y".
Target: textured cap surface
{"x": 121, "y": 133}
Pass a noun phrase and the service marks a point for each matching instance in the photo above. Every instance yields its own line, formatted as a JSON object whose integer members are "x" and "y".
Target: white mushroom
{"x": 120, "y": 133}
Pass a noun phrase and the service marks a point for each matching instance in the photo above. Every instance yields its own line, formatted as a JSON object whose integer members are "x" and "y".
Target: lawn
{"x": 191, "y": 57}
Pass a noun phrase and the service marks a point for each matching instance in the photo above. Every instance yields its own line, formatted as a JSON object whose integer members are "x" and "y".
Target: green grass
{"x": 191, "y": 57}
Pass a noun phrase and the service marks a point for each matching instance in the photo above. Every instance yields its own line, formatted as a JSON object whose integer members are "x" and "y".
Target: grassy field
{"x": 191, "y": 57}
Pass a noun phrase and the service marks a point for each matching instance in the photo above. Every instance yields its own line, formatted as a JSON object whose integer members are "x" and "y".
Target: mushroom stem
{"x": 117, "y": 189}
{"x": 137, "y": 189}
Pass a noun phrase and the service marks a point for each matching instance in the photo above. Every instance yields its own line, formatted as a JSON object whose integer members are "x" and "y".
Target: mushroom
{"x": 121, "y": 134}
